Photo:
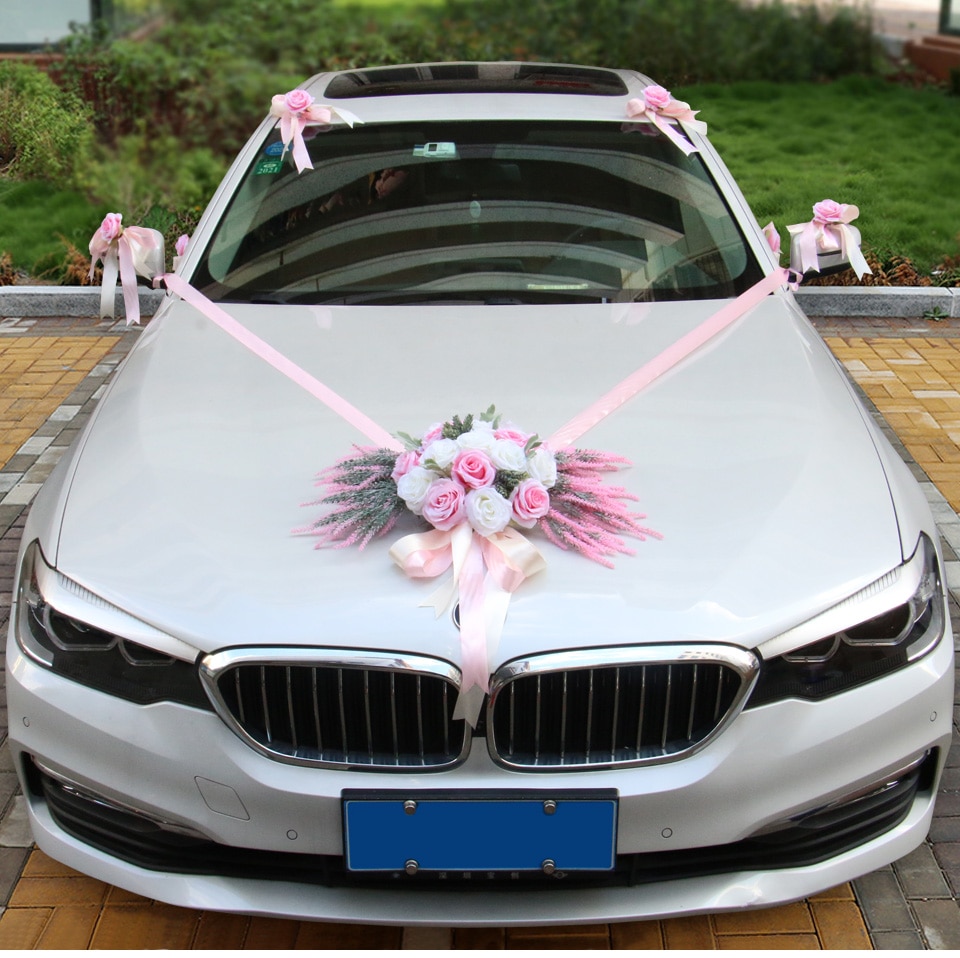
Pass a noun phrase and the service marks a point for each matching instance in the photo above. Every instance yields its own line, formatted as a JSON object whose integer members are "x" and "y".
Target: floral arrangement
{"x": 658, "y": 104}
{"x": 487, "y": 474}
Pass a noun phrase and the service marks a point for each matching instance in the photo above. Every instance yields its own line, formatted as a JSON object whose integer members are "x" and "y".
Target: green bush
{"x": 147, "y": 169}
{"x": 45, "y": 132}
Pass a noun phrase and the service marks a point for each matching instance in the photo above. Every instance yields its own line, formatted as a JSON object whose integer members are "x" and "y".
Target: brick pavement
{"x": 910, "y": 373}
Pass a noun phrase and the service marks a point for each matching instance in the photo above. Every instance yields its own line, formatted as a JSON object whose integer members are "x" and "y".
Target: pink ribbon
{"x": 657, "y": 105}
{"x": 626, "y": 389}
{"x": 486, "y": 571}
{"x": 291, "y": 370}
{"x": 296, "y": 110}
{"x": 828, "y": 231}
{"x": 124, "y": 252}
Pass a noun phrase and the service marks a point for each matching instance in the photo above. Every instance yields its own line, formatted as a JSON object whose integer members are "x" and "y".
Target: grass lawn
{"x": 887, "y": 149}
{"x": 33, "y": 217}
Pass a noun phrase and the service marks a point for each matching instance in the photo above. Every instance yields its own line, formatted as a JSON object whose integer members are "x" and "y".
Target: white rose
{"x": 412, "y": 488}
{"x": 542, "y": 466}
{"x": 479, "y": 438}
{"x": 506, "y": 454}
{"x": 442, "y": 452}
{"x": 487, "y": 511}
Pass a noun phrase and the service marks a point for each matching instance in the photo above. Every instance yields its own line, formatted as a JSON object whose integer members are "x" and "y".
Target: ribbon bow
{"x": 828, "y": 231}
{"x": 486, "y": 571}
{"x": 124, "y": 251}
{"x": 657, "y": 104}
{"x": 296, "y": 110}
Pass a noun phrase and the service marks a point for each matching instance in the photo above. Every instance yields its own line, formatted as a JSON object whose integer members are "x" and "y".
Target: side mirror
{"x": 829, "y": 261}
{"x": 150, "y": 261}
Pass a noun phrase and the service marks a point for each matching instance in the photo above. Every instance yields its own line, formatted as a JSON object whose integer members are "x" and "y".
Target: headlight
{"x": 861, "y": 652}
{"x": 91, "y": 656}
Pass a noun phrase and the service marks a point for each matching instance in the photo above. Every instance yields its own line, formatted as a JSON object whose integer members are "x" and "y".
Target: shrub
{"x": 44, "y": 131}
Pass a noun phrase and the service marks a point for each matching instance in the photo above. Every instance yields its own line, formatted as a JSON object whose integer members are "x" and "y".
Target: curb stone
{"x": 876, "y": 301}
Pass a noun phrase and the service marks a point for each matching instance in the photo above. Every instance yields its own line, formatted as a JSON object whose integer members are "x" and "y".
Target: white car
{"x": 746, "y": 699}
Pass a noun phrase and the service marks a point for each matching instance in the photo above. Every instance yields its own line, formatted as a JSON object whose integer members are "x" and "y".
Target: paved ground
{"x": 51, "y": 373}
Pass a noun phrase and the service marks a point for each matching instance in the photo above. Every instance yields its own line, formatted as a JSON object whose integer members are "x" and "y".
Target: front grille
{"x": 340, "y": 709}
{"x": 815, "y": 838}
{"x": 615, "y": 707}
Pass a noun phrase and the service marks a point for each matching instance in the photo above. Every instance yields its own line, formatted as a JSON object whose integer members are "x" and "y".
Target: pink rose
{"x": 656, "y": 97}
{"x": 530, "y": 502}
{"x": 827, "y": 211}
{"x": 297, "y": 100}
{"x": 474, "y": 469}
{"x": 405, "y": 462}
{"x": 444, "y": 506}
{"x": 111, "y": 227}
{"x": 434, "y": 432}
{"x": 181, "y": 245}
{"x": 514, "y": 435}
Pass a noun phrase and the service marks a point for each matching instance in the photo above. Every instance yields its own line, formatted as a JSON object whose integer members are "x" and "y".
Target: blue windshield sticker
{"x": 274, "y": 149}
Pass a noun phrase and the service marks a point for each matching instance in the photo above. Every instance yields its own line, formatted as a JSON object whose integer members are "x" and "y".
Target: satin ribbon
{"x": 826, "y": 236}
{"x": 294, "y": 122}
{"x": 627, "y": 388}
{"x": 290, "y": 369}
{"x": 125, "y": 255}
{"x": 487, "y": 570}
{"x": 641, "y": 109}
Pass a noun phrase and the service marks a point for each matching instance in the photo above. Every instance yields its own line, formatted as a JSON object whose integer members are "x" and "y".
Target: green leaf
{"x": 408, "y": 441}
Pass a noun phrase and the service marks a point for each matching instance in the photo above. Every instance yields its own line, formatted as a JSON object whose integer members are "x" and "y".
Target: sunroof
{"x": 475, "y": 78}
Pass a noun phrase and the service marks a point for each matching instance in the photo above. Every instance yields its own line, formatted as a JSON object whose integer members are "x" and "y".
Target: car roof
{"x": 480, "y": 90}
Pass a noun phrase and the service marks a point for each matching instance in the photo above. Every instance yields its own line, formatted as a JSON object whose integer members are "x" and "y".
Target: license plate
{"x": 474, "y": 831}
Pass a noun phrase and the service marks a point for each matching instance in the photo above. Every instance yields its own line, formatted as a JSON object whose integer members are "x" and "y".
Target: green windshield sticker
{"x": 268, "y": 165}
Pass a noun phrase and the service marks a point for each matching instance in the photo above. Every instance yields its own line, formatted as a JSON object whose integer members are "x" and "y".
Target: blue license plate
{"x": 479, "y": 832}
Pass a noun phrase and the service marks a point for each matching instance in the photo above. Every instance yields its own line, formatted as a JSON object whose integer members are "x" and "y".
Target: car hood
{"x": 750, "y": 458}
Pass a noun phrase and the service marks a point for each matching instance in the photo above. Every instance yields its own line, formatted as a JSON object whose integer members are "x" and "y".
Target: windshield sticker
{"x": 444, "y": 151}
{"x": 269, "y": 165}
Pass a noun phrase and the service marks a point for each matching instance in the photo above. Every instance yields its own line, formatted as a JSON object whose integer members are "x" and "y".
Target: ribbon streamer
{"x": 294, "y": 119}
{"x": 275, "y": 358}
{"x": 627, "y": 388}
{"x": 486, "y": 571}
{"x": 657, "y": 106}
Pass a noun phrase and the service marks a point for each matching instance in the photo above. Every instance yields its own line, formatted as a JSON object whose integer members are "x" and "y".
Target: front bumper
{"x": 182, "y": 766}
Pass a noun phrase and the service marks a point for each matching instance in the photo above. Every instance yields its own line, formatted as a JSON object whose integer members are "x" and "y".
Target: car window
{"x": 478, "y": 211}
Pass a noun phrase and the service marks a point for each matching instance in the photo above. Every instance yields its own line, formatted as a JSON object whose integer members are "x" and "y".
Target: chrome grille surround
{"x": 614, "y": 707}
{"x": 340, "y": 708}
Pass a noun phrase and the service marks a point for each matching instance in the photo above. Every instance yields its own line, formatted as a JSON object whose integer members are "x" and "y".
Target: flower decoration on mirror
{"x": 124, "y": 252}
{"x": 658, "y": 106}
{"x": 828, "y": 232}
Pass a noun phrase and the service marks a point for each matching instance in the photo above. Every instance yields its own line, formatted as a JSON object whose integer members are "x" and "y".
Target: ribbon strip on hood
{"x": 486, "y": 570}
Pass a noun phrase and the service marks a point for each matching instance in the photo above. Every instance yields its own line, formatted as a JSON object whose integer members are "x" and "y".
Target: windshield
{"x": 480, "y": 211}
